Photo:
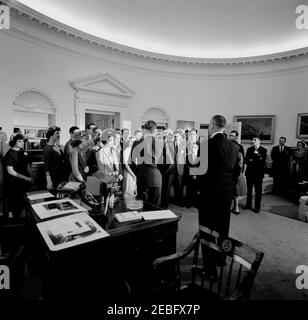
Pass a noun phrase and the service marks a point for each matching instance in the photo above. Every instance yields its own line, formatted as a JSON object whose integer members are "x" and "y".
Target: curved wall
{"x": 31, "y": 56}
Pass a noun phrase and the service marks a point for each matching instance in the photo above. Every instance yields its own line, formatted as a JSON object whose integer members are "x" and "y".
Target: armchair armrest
{"x": 178, "y": 255}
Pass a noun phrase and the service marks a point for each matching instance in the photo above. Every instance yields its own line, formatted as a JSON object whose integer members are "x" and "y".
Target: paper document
{"x": 71, "y": 186}
{"x": 54, "y": 208}
{"x": 159, "y": 214}
{"x": 40, "y": 195}
{"x": 70, "y": 231}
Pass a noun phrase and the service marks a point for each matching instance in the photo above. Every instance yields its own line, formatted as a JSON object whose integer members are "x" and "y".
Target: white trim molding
{"x": 29, "y": 16}
{"x": 100, "y": 93}
{"x": 99, "y": 83}
{"x": 34, "y": 100}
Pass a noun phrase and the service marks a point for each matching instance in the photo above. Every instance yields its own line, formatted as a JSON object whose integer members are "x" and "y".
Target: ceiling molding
{"x": 29, "y": 16}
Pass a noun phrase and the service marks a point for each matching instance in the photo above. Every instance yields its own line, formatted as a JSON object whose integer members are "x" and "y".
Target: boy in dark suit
{"x": 255, "y": 160}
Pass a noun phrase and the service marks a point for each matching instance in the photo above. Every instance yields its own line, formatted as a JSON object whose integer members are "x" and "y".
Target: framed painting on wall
{"x": 204, "y": 130}
{"x": 302, "y": 126}
{"x": 184, "y": 124}
{"x": 264, "y": 126}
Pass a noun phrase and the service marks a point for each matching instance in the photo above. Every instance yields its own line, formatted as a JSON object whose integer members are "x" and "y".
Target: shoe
{"x": 236, "y": 212}
{"x": 256, "y": 210}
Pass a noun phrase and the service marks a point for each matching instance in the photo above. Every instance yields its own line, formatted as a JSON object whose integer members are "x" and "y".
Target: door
{"x": 102, "y": 121}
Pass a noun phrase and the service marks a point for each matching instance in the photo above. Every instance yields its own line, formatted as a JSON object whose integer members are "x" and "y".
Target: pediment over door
{"x": 102, "y": 83}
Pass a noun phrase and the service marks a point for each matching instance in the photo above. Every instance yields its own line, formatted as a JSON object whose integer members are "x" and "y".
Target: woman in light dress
{"x": 107, "y": 161}
{"x": 129, "y": 178}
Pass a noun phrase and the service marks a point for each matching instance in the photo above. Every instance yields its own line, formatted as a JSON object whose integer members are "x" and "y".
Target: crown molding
{"x": 29, "y": 16}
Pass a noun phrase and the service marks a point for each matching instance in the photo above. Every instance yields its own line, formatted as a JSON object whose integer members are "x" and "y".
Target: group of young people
{"x": 110, "y": 156}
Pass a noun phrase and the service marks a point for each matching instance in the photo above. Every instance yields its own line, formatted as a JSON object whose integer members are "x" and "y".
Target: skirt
{"x": 241, "y": 187}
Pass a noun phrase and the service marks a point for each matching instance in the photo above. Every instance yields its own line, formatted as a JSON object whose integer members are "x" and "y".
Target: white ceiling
{"x": 188, "y": 28}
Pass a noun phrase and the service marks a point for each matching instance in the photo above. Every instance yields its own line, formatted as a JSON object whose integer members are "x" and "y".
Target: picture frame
{"x": 262, "y": 125}
{"x": 185, "y": 124}
{"x": 204, "y": 130}
{"x": 302, "y": 126}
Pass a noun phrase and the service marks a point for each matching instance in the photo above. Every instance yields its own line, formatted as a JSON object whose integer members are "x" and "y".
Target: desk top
{"x": 110, "y": 224}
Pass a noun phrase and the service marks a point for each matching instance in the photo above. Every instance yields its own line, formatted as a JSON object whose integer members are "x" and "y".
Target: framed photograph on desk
{"x": 302, "y": 126}
{"x": 260, "y": 125}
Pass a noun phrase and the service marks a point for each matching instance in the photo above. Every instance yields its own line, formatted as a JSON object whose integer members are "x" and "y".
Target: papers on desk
{"x": 71, "y": 186}
{"x": 39, "y": 195}
{"x": 51, "y": 209}
{"x": 148, "y": 215}
{"x": 159, "y": 214}
{"x": 70, "y": 231}
{"x": 128, "y": 216}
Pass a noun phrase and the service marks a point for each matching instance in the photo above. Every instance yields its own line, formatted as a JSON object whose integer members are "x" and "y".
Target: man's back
{"x": 218, "y": 184}
{"x": 222, "y": 160}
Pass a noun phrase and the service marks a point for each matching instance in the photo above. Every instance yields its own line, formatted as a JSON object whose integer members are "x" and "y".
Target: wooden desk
{"x": 128, "y": 253}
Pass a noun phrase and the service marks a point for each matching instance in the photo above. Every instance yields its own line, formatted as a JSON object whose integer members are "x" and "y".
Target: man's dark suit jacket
{"x": 241, "y": 150}
{"x": 255, "y": 162}
{"x": 218, "y": 184}
{"x": 179, "y": 157}
{"x": 133, "y": 165}
{"x": 280, "y": 160}
{"x": 151, "y": 154}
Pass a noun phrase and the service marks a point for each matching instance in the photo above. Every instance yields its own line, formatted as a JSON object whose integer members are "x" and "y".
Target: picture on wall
{"x": 204, "y": 130}
{"x": 264, "y": 126}
{"x": 302, "y": 126}
{"x": 184, "y": 124}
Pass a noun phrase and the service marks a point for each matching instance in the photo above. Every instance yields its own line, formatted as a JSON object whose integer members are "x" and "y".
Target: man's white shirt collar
{"x": 217, "y": 132}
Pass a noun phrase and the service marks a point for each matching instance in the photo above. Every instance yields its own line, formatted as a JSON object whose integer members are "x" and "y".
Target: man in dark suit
{"x": 149, "y": 153}
{"x": 192, "y": 180}
{"x": 177, "y": 179}
{"x": 233, "y": 138}
{"x": 217, "y": 185}
{"x": 280, "y": 160}
{"x": 166, "y": 170}
{"x": 134, "y": 160}
{"x": 255, "y": 160}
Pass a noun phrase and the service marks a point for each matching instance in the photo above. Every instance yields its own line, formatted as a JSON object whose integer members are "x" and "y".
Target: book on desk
{"x": 128, "y": 216}
{"x": 147, "y": 215}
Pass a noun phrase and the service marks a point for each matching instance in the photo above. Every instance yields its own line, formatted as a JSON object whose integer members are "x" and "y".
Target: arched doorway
{"x": 158, "y": 115}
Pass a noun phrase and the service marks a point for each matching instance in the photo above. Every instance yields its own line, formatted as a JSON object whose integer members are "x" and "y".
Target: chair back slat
{"x": 178, "y": 276}
{"x": 238, "y": 278}
{"x": 228, "y": 285}
{"x": 220, "y": 280}
{"x": 242, "y": 261}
